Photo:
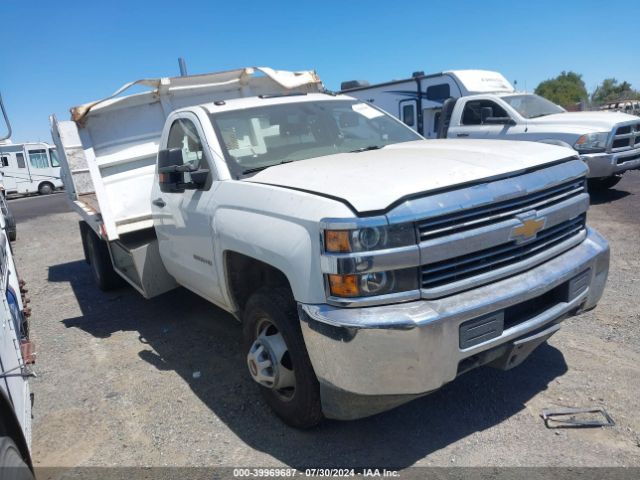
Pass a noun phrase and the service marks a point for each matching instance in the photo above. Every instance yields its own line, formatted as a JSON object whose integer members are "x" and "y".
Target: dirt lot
{"x": 118, "y": 380}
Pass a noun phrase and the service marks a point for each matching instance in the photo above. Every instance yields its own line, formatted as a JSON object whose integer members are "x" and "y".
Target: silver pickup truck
{"x": 367, "y": 265}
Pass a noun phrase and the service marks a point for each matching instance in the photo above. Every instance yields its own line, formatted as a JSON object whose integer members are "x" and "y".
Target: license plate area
{"x": 478, "y": 330}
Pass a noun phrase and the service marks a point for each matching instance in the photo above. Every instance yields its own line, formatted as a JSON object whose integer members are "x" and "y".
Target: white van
{"x": 29, "y": 168}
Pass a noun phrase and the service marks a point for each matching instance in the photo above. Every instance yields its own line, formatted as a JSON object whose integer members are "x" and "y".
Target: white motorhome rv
{"x": 29, "y": 168}
{"x": 484, "y": 105}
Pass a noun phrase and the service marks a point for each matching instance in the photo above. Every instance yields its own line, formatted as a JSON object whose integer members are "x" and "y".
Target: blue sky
{"x": 63, "y": 53}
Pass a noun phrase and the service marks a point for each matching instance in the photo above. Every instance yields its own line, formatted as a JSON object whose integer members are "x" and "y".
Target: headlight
{"x": 373, "y": 283}
{"x": 358, "y": 248}
{"x": 592, "y": 142}
{"x": 369, "y": 238}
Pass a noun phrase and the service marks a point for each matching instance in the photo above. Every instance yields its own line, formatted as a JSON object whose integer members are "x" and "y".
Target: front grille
{"x": 498, "y": 211}
{"x": 460, "y": 268}
{"x": 626, "y": 136}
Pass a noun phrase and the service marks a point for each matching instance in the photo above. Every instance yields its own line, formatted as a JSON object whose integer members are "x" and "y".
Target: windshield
{"x": 532, "y": 106}
{"x": 257, "y": 138}
{"x": 54, "y": 158}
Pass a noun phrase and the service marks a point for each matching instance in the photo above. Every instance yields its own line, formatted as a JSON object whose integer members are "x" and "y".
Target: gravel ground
{"x": 124, "y": 381}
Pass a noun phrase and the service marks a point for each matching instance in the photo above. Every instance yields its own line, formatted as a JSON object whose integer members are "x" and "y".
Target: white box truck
{"x": 367, "y": 265}
{"x": 483, "y": 104}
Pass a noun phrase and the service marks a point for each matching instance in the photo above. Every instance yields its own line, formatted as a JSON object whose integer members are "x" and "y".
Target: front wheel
{"x": 277, "y": 358}
{"x": 45, "y": 188}
{"x": 597, "y": 184}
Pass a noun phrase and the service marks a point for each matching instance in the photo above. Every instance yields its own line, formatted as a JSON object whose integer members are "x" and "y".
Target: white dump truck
{"x": 483, "y": 104}
{"x": 367, "y": 265}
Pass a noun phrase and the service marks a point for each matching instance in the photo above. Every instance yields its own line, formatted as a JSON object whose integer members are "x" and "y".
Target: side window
{"x": 471, "y": 113}
{"x": 438, "y": 92}
{"x": 20, "y": 160}
{"x": 183, "y": 135}
{"x": 54, "y": 158}
{"x": 38, "y": 158}
{"x": 5, "y": 161}
{"x": 408, "y": 114}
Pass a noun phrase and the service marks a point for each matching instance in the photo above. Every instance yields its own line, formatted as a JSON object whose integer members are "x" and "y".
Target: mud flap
{"x": 521, "y": 348}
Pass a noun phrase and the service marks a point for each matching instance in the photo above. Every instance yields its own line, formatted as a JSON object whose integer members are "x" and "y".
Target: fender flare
{"x": 291, "y": 251}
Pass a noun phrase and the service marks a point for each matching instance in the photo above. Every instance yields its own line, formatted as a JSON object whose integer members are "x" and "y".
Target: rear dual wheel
{"x": 98, "y": 256}
{"x": 277, "y": 358}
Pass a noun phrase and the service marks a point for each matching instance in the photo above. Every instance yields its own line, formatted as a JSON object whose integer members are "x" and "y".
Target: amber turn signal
{"x": 337, "y": 241}
{"x": 344, "y": 285}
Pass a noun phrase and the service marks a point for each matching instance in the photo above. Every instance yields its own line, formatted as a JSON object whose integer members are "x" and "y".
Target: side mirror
{"x": 170, "y": 178}
{"x": 199, "y": 178}
{"x": 487, "y": 118}
{"x": 485, "y": 113}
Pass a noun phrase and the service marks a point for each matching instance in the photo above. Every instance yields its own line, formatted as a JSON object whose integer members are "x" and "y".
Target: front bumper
{"x": 397, "y": 352}
{"x": 607, "y": 164}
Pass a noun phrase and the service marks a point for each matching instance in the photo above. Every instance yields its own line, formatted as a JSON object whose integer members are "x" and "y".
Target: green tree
{"x": 610, "y": 90}
{"x": 566, "y": 89}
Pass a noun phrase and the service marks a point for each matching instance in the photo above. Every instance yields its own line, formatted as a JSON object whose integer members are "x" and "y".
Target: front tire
{"x": 12, "y": 465}
{"x": 599, "y": 184}
{"x": 45, "y": 188}
{"x": 277, "y": 357}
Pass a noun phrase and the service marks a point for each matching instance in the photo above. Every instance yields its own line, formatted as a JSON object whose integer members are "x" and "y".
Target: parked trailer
{"x": 367, "y": 265}
{"x": 29, "y": 168}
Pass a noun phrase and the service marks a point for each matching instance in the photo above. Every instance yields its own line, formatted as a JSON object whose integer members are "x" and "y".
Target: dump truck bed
{"x": 108, "y": 149}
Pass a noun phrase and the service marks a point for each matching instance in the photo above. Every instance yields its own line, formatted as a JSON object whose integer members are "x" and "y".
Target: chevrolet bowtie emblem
{"x": 528, "y": 229}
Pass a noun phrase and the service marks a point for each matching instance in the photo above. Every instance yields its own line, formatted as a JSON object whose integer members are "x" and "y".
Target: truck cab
{"x": 367, "y": 265}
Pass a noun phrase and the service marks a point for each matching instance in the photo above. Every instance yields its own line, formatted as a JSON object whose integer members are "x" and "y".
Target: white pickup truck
{"x": 609, "y": 142}
{"x": 368, "y": 265}
{"x": 483, "y": 104}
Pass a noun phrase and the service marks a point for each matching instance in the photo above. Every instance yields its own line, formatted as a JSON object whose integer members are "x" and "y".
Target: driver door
{"x": 183, "y": 220}
{"x": 471, "y": 125}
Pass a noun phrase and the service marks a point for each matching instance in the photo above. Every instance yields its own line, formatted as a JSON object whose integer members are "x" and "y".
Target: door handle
{"x": 159, "y": 202}
{"x": 462, "y": 135}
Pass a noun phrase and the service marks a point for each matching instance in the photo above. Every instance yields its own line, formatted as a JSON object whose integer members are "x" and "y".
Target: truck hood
{"x": 589, "y": 121}
{"x": 373, "y": 180}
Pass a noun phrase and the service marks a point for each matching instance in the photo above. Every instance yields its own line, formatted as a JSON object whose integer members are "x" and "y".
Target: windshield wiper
{"x": 259, "y": 169}
{"x": 365, "y": 149}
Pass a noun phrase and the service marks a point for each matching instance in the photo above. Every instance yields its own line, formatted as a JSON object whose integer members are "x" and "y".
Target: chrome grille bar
{"x": 460, "y": 268}
{"x": 625, "y": 137}
{"x": 499, "y": 211}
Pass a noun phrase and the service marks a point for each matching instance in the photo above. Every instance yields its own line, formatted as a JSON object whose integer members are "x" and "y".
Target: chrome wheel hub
{"x": 268, "y": 360}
